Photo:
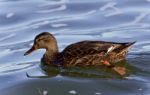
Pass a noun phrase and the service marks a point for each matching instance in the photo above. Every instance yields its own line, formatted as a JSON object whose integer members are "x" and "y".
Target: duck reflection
{"x": 119, "y": 70}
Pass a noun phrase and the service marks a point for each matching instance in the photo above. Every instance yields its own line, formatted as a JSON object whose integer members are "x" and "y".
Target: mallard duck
{"x": 84, "y": 53}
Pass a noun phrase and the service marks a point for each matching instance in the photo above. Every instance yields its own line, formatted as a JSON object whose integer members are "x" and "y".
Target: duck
{"x": 83, "y": 53}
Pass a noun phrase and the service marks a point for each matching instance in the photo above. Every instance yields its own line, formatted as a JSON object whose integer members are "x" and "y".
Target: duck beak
{"x": 30, "y": 50}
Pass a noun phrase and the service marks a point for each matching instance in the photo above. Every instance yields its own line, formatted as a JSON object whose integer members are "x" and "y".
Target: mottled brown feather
{"x": 88, "y": 53}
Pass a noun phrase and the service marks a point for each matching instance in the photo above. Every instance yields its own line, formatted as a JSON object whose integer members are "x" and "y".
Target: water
{"x": 71, "y": 21}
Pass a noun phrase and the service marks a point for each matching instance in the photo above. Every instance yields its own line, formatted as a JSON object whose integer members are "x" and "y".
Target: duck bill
{"x": 30, "y": 51}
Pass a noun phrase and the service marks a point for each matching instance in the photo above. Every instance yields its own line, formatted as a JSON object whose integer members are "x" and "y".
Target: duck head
{"x": 46, "y": 41}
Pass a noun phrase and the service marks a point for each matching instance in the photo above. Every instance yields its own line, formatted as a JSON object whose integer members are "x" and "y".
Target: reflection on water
{"x": 88, "y": 72}
{"x": 71, "y": 21}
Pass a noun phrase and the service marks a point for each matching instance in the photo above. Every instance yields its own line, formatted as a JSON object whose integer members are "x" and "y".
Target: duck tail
{"x": 126, "y": 48}
{"x": 131, "y": 43}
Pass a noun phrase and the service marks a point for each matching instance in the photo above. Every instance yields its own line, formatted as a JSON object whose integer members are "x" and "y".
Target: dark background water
{"x": 71, "y": 21}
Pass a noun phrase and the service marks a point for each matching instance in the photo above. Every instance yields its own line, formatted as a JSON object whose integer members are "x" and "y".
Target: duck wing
{"x": 87, "y": 51}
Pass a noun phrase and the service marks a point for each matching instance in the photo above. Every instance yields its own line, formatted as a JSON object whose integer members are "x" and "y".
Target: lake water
{"x": 71, "y": 21}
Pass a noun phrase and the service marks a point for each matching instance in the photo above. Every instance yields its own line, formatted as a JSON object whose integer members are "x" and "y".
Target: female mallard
{"x": 84, "y": 53}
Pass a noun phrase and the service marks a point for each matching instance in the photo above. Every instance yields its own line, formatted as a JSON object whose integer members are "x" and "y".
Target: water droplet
{"x": 140, "y": 89}
{"x": 9, "y": 15}
{"x": 45, "y": 92}
{"x": 72, "y": 92}
{"x": 98, "y": 93}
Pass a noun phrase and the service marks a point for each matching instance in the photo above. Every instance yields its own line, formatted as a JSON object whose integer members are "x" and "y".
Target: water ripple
{"x": 62, "y": 7}
{"x": 71, "y": 21}
{"x": 11, "y": 68}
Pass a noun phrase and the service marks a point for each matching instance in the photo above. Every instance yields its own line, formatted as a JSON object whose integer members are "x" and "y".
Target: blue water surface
{"x": 72, "y": 21}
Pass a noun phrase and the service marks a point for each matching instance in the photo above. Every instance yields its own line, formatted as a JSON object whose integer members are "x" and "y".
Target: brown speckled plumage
{"x": 85, "y": 53}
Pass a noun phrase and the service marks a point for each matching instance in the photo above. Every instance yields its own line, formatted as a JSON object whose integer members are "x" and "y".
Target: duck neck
{"x": 51, "y": 53}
